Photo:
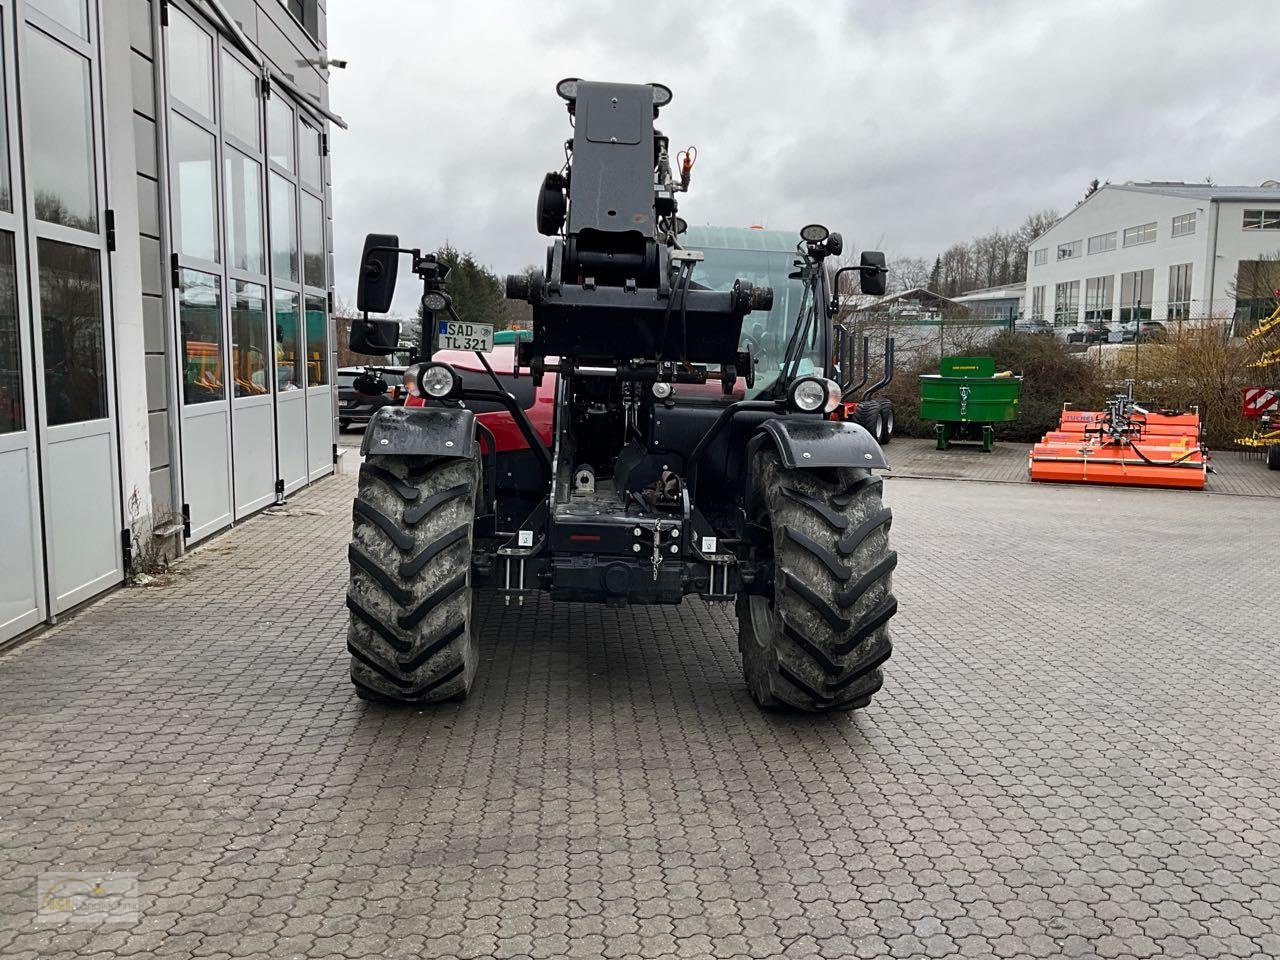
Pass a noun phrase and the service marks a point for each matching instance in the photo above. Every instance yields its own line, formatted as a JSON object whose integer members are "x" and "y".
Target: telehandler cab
{"x": 673, "y": 426}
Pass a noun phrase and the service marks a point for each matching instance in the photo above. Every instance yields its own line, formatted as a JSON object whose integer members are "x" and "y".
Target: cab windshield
{"x": 766, "y": 334}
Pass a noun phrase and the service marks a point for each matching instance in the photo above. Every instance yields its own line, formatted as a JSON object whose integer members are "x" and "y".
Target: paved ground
{"x": 1074, "y": 755}
{"x": 1234, "y": 472}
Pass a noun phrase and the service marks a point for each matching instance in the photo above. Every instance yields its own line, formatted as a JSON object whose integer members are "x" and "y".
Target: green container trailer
{"x": 968, "y": 398}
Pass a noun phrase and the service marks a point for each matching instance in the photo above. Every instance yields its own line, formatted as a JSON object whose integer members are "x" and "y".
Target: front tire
{"x": 818, "y": 642}
{"x": 886, "y": 419}
{"x": 412, "y": 635}
{"x": 1273, "y": 456}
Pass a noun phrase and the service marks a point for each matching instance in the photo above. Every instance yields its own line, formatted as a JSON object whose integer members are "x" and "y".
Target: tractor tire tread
{"x": 412, "y": 633}
{"x": 820, "y": 643}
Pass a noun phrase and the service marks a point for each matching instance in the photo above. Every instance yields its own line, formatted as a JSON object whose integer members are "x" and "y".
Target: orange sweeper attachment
{"x": 1124, "y": 445}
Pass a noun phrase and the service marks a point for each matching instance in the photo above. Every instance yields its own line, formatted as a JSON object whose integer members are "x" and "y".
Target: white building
{"x": 1151, "y": 251}
{"x": 164, "y": 281}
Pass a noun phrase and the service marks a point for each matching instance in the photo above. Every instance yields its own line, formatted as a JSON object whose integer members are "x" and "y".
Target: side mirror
{"x": 872, "y": 273}
{"x": 378, "y": 264}
{"x": 374, "y": 337}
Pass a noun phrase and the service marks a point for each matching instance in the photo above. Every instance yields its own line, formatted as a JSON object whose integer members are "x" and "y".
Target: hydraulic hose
{"x": 1158, "y": 463}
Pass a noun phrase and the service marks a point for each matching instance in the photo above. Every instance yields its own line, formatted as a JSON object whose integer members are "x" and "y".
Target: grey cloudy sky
{"x": 907, "y": 126}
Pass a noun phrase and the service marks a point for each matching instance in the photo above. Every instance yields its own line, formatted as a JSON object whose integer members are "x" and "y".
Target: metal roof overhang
{"x": 236, "y": 35}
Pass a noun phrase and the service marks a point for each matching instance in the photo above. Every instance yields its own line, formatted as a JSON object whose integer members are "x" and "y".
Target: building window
{"x": 312, "y": 241}
{"x": 1069, "y": 251}
{"x": 288, "y": 341}
{"x": 1180, "y": 291}
{"x": 1037, "y": 304}
{"x": 6, "y": 196}
{"x": 240, "y": 103}
{"x": 1184, "y": 225}
{"x": 1066, "y": 303}
{"x": 1262, "y": 219}
{"x": 1103, "y": 242}
{"x": 284, "y": 229}
{"x": 250, "y": 339}
{"x": 1040, "y": 257}
{"x": 59, "y": 155}
{"x": 310, "y": 161}
{"x": 1143, "y": 234}
{"x": 243, "y": 191}
{"x": 280, "y": 133}
{"x": 200, "y": 320}
{"x": 1255, "y": 286}
{"x": 1098, "y": 297}
{"x": 71, "y": 325}
{"x": 190, "y": 64}
{"x": 1135, "y": 295}
{"x": 12, "y": 415}
{"x": 69, "y": 13}
{"x": 317, "y": 319}
{"x": 195, "y": 189}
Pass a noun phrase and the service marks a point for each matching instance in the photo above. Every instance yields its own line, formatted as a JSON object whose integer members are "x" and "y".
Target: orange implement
{"x": 1159, "y": 450}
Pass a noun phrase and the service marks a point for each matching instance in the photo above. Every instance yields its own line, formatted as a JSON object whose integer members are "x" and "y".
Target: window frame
{"x": 1040, "y": 256}
{"x": 1072, "y": 288}
{"x": 1103, "y": 237}
{"x": 1267, "y": 219}
{"x": 1073, "y": 248}
{"x": 1183, "y": 219}
{"x": 1181, "y": 276}
{"x": 1037, "y": 303}
{"x": 1138, "y": 306}
{"x": 1102, "y": 306}
{"x": 301, "y": 189}
{"x": 1138, "y": 239}
{"x": 29, "y": 230}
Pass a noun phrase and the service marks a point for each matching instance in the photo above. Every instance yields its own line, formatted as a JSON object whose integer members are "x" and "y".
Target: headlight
{"x": 411, "y": 380}
{"x": 438, "y": 380}
{"x": 662, "y": 390}
{"x": 815, "y": 394}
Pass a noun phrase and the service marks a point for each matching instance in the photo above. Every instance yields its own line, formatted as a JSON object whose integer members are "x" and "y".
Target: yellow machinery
{"x": 1261, "y": 404}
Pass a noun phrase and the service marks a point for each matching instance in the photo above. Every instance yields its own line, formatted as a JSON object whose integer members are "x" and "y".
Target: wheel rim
{"x": 888, "y": 423}
{"x": 878, "y": 425}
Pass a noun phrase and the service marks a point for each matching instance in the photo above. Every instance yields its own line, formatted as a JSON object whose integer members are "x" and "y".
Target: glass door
{"x": 71, "y": 345}
{"x": 205, "y": 422}
{"x": 252, "y": 372}
{"x": 286, "y": 280}
{"x": 315, "y": 301}
{"x": 22, "y": 600}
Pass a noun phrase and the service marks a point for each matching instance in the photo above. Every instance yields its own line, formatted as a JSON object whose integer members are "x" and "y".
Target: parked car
{"x": 1092, "y": 331}
{"x": 358, "y": 406}
{"x": 1143, "y": 331}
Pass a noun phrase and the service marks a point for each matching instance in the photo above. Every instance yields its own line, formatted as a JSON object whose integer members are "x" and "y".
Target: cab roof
{"x": 740, "y": 238}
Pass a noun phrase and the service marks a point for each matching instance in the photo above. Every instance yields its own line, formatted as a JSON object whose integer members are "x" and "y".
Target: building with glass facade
{"x": 165, "y": 281}
{"x": 1157, "y": 253}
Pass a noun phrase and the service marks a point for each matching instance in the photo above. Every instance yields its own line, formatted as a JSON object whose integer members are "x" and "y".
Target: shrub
{"x": 1198, "y": 366}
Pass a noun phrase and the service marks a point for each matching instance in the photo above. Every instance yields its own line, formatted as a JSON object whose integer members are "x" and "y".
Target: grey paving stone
{"x": 1073, "y": 756}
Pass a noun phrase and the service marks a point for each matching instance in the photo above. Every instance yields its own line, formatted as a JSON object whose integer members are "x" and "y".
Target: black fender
{"x": 807, "y": 442}
{"x": 421, "y": 432}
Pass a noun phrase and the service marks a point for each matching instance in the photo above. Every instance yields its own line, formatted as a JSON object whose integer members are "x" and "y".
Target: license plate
{"x": 466, "y": 336}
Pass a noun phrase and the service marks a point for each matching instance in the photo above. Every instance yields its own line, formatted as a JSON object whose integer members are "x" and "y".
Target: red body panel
{"x": 505, "y": 432}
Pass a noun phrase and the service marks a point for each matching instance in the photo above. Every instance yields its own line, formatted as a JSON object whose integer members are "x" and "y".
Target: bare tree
{"x": 907, "y": 273}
